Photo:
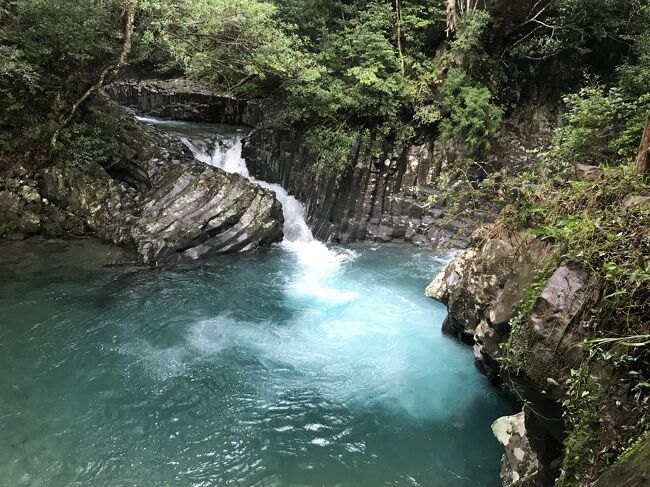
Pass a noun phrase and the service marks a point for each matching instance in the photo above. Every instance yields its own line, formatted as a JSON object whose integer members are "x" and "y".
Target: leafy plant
{"x": 473, "y": 118}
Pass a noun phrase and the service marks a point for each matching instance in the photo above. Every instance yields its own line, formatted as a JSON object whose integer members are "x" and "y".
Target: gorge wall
{"x": 182, "y": 99}
{"x": 383, "y": 197}
{"x": 527, "y": 315}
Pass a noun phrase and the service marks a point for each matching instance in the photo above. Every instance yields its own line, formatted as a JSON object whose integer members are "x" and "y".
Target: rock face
{"x": 481, "y": 288}
{"x": 485, "y": 288}
{"x": 24, "y": 210}
{"x": 157, "y": 200}
{"x": 520, "y": 465}
{"x": 382, "y": 198}
{"x": 632, "y": 470}
{"x": 182, "y": 99}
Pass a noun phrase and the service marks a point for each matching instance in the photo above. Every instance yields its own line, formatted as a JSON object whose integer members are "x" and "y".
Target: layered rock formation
{"x": 181, "y": 99}
{"x": 155, "y": 198}
{"x": 385, "y": 197}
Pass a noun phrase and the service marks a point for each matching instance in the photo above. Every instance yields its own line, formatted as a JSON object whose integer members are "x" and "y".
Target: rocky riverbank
{"x": 527, "y": 314}
{"x": 150, "y": 195}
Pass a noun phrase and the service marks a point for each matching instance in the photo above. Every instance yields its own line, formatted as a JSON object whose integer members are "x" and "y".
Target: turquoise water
{"x": 274, "y": 369}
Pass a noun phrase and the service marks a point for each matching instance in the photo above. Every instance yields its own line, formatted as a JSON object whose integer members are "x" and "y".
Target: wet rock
{"x": 182, "y": 99}
{"x": 381, "y": 197}
{"x": 520, "y": 465}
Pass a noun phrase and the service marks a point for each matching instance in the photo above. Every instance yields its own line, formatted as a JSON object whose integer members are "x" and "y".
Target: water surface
{"x": 305, "y": 365}
{"x": 244, "y": 370}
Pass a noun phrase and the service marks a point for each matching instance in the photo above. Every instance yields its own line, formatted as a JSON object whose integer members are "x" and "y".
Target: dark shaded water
{"x": 283, "y": 368}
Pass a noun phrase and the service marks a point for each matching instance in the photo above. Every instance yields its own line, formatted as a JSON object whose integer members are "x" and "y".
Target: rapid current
{"x": 305, "y": 365}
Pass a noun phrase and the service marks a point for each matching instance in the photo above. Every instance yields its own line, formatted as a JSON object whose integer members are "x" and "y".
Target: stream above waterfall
{"x": 304, "y": 365}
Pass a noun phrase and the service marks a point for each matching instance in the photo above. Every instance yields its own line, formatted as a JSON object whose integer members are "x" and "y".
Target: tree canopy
{"x": 350, "y": 68}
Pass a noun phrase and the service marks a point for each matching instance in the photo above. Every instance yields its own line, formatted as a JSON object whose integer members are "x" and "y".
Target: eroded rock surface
{"x": 155, "y": 198}
{"x": 520, "y": 465}
{"x": 483, "y": 285}
{"x": 182, "y": 99}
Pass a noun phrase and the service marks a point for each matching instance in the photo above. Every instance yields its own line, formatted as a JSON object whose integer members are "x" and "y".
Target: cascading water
{"x": 317, "y": 259}
{"x": 226, "y": 155}
{"x": 303, "y": 366}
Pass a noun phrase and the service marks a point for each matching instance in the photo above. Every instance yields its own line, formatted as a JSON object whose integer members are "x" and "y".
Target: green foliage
{"x": 569, "y": 27}
{"x": 599, "y": 127}
{"x": 85, "y": 145}
{"x": 223, "y": 42}
{"x": 50, "y": 52}
{"x": 361, "y": 79}
{"x": 635, "y": 75}
{"x": 473, "y": 118}
{"x": 332, "y": 147}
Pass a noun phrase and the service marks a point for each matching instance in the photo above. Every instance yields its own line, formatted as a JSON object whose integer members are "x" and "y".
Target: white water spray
{"x": 318, "y": 261}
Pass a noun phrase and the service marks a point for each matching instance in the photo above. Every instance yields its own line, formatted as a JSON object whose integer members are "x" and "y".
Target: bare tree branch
{"x": 121, "y": 62}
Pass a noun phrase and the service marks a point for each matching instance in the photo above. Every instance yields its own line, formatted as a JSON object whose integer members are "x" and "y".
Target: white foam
{"x": 318, "y": 262}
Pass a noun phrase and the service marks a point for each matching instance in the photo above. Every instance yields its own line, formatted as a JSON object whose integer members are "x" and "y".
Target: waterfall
{"x": 226, "y": 155}
{"x": 318, "y": 261}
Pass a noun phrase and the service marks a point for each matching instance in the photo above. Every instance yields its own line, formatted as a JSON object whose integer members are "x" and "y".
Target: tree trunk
{"x": 398, "y": 13}
{"x": 643, "y": 159}
{"x": 452, "y": 16}
{"x": 121, "y": 62}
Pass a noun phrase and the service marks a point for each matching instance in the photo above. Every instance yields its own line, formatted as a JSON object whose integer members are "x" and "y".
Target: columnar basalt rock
{"x": 181, "y": 99}
{"x": 381, "y": 198}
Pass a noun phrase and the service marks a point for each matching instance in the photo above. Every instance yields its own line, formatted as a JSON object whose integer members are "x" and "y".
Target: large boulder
{"x": 520, "y": 464}
{"x": 200, "y": 209}
{"x": 196, "y": 210}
